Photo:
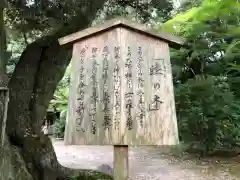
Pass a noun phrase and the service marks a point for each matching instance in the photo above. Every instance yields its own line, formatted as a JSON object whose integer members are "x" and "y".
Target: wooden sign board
{"x": 121, "y": 90}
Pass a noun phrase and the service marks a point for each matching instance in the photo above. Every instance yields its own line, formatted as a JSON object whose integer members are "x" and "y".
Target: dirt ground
{"x": 148, "y": 163}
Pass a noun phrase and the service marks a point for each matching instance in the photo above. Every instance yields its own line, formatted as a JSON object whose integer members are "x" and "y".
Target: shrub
{"x": 59, "y": 127}
{"x": 207, "y": 113}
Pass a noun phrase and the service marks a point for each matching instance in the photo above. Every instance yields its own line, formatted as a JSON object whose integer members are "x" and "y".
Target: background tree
{"x": 42, "y": 65}
{"x": 206, "y": 85}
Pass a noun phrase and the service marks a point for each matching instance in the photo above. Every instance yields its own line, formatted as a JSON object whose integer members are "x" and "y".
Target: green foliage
{"x": 208, "y": 113}
{"x": 206, "y": 74}
{"x": 91, "y": 175}
{"x": 60, "y": 102}
{"x": 187, "y": 22}
{"x": 102, "y": 177}
{"x": 59, "y": 127}
{"x": 49, "y": 16}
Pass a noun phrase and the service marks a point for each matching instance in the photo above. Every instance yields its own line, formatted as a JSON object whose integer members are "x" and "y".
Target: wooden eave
{"x": 173, "y": 41}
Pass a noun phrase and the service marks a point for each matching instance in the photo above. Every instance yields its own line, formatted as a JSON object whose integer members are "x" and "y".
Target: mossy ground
{"x": 90, "y": 175}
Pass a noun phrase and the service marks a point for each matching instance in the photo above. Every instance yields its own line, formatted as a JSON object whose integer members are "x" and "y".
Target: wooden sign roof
{"x": 173, "y": 41}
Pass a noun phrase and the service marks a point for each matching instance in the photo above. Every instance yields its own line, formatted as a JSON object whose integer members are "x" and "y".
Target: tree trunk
{"x": 8, "y": 153}
{"x": 35, "y": 78}
{"x": 2, "y": 40}
{"x": 3, "y": 76}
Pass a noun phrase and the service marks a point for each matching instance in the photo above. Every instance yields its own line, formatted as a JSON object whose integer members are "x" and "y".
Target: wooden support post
{"x": 121, "y": 167}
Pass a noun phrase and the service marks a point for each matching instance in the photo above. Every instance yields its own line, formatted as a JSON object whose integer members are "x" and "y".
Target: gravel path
{"x": 145, "y": 163}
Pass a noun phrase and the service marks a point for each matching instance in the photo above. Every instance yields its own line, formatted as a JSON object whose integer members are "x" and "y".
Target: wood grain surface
{"x": 121, "y": 91}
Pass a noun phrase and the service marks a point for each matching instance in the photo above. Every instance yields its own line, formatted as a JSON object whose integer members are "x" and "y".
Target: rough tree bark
{"x": 2, "y": 70}
{"x": 3, "y": 75}
{"x": 35, "y": 78}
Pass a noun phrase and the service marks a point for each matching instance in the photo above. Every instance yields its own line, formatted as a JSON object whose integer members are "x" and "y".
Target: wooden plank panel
{"x": 159, "y": 124}
{"x": 131, "y": 101}
{"x": 97, "y": 86}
